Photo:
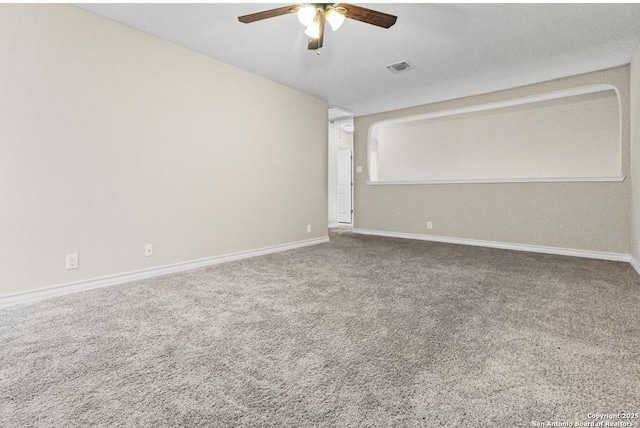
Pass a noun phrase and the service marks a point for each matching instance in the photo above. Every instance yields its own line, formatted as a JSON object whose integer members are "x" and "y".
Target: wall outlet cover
{"x": 72, "y": 261}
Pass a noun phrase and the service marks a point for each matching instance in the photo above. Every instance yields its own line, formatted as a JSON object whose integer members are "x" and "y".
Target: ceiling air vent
{"x": 400, "y": 66}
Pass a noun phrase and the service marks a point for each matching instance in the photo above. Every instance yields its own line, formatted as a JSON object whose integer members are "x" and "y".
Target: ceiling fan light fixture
{"x": 306, "y": 15}
{"x": 335, "y": 19}
{"x": 313, "y": 30}
{"x": 315, "y": 15}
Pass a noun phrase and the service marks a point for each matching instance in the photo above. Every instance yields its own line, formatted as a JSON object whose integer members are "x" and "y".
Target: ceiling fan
{"x": 314, "y": 15}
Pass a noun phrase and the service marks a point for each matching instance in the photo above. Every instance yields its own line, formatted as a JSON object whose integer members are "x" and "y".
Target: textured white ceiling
{"x": 457, "y": 49}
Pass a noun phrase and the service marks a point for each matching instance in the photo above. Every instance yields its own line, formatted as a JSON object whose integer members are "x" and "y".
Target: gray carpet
{"x": 362, "y": 331}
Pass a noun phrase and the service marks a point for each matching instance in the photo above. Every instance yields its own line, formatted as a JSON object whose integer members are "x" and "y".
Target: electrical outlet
{"x": 429, "y": 225}
{"x": 358, "y": 169}
{"x": 308, "y": 228}
{"x": 72, "y": 261}
{"x": 148, "y": 250}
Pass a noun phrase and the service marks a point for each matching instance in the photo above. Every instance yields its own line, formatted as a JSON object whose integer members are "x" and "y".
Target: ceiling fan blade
{"x": 369, "y": 16}
{"x": 317, "y": 43}
{"x": 265, "y": 14}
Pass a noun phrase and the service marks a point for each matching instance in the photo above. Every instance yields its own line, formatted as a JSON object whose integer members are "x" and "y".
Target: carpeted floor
{"x": 362, "y": 331}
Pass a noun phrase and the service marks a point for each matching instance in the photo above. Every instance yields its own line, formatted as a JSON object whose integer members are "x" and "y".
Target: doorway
{"x": 340, "y": 204}
{"x": 345, "y": 186}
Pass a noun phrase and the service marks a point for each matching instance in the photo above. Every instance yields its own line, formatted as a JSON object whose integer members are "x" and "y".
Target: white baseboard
{"x": 147, "y": 273}
{"x": 505, "y": 245}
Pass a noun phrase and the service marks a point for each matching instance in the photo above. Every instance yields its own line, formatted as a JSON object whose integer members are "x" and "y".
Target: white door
{"x": 344, "y": 186}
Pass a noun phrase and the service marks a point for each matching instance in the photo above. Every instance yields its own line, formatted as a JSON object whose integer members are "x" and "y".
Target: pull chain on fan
{"x": 315, "y": 15}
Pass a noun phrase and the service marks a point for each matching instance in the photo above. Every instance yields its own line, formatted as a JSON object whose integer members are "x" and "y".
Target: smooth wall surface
{"x": 578, "y": 136}
{"x": 591, "y": 216}
{"x": 634, "y": 92}
{"x": 111, "y": 139}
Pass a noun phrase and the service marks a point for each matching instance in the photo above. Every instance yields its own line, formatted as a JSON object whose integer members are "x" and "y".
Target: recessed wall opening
{"x": 572, "y": 135}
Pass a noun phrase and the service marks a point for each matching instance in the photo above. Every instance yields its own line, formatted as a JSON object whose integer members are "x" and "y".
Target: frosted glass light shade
{"x": 313, "y": 31}
{"x": 306, "y": 15}
{"x": 335, "y": 19}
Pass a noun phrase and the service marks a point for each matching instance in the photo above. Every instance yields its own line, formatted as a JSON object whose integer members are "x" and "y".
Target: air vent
{"x": 400, "y": 66}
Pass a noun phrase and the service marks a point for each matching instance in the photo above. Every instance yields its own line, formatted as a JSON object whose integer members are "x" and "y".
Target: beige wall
{"x": 578, "y": 136}
{"x": 111, "y": 139}
{"x": 634, "y": 90}
{"x": 590, "y": 216}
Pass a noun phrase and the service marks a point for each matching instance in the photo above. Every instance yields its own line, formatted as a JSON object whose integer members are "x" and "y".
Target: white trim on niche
{"x": 372, "y": 135}
{"x": 502, "y": 180}
{"x": 564, "y": 93}
{"x": 148, "y": 273}
{"x": 619, "y": 257}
